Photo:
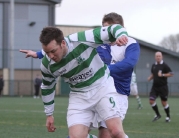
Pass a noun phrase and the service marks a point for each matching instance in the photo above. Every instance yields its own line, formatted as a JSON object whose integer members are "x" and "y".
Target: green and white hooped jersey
{"x": 81, "y": 68}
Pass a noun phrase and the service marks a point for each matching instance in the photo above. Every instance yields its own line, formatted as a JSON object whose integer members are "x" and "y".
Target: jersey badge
{"x": 80, "y": 59}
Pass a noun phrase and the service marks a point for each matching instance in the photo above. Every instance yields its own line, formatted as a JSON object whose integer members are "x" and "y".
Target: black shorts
{"x": 159, "y": 91}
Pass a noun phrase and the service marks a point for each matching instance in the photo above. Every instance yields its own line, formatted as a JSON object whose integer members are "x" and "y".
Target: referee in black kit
{"x": 160, "y": 71}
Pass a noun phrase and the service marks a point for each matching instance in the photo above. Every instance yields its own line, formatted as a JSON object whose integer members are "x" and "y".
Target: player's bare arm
{"x": 150, "y": 77}
{"x": 29, "y": 53}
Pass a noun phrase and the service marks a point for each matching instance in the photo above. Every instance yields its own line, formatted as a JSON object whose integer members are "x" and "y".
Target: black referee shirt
{"x": 164, "y": 68}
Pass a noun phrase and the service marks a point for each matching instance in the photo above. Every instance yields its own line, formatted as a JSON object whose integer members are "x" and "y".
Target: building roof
{"x": 157, "y": 48}
{"x": 34, "y": 1}
{"x": 55, "y": 1}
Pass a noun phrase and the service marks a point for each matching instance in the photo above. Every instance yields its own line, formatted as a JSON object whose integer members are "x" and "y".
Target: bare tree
{"x": 171, "y": 42}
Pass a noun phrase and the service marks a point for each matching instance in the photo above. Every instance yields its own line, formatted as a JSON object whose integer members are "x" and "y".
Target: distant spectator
{"x": 134, "y": 90}
{"x": 1, "y": 84}
{"x": 37, "y": 84}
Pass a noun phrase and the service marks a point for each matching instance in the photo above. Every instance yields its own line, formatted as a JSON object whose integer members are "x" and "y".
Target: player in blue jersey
{"x": 120, "y": 60}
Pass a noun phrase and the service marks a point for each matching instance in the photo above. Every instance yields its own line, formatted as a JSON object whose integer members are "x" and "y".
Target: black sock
{"x": 155, "y": 108}
{"x": 167, "y": 111}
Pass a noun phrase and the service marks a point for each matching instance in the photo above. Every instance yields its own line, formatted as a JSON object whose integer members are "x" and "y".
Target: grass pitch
{"x": 23, "y": 117}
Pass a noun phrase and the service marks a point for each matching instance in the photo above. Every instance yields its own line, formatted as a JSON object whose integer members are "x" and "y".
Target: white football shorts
{"x": 123, "y": 104}
{"x": 134, "y": 90}
{"x": 92, "y": 107}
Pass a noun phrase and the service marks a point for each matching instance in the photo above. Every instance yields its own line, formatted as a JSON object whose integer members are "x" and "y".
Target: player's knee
{"x": 152, "y": 100}
{"x": 77, "y": 135}
{"x": 78, "y": 131}
{"x": 88, "y": 136}
{"x": 115, "y": 127}
{"x": 117, "y": 133}
{"x": 164, "y": 99}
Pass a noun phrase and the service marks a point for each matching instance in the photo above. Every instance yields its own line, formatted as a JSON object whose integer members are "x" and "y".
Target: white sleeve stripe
{"x": 48, "y": 98}
{"x": 48, "y": 87}
{"x": 119, "y": 31}
{"x": 49, "y": 109}
{"x": 104, "y": 34}
{"x": 47, "y": 79}
{"x": 89, "y": 36}
{"x": 44, "y": 69}
{"x": 112, "y": 28}
{"x": 43, "y": 52}
{"x": 73, "y": 37}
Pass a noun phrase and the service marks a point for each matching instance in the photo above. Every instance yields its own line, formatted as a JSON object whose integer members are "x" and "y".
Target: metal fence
{"x": 19, "y": 60}
{"x": 26, "y": 88}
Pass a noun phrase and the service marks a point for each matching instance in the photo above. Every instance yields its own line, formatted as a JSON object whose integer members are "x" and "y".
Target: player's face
{"x": 106, "y": 24}
{"x": 158, "y": 57}
{"x": 55, "y": 51}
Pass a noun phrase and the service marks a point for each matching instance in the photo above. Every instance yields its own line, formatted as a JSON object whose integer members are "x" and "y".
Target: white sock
{"x": 166, "y": 106}
{"x": 153, "y": 104}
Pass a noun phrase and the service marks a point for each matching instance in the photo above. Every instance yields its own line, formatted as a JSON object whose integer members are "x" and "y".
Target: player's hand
{"x": 121, "y": 40}
{"x": 50, "y": 124}
{"x": 160, "y": 73}
{"x": 29, "y": 53}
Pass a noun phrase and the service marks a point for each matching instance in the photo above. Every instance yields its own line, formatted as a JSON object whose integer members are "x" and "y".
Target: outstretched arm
{"x": 30, "y": 53}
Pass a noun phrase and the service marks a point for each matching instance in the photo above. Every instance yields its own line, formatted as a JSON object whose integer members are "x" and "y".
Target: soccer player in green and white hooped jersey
{"x": 76, "y": 60}
{"x": 81, "y": 66}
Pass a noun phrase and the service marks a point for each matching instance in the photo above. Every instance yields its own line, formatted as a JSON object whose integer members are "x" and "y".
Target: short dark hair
{"x": 51, "y": 33}
{"x": 113, "y": 18}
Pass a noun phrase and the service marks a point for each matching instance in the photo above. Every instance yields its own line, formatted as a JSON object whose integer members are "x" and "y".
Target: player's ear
{"x": 63, "y": 43}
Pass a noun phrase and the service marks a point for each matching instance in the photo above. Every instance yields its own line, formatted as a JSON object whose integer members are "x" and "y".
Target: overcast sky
{"x": 148, "y": 20}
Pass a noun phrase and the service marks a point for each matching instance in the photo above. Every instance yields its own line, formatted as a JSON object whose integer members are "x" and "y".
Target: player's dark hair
{"x": 51, "y": 33}
{"x": 113, "y": 18}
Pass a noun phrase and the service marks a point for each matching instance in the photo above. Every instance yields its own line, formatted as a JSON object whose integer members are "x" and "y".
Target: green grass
{"x": 137, "y": 123}
{"x": 24, "y": 118}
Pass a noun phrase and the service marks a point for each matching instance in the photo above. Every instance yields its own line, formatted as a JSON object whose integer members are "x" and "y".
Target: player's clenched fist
{"x": 50, "y": 124}
{"x": 121, "y": 40}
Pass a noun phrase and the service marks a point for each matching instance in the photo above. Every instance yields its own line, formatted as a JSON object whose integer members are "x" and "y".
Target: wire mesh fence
{"x": 26, "y": 88}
